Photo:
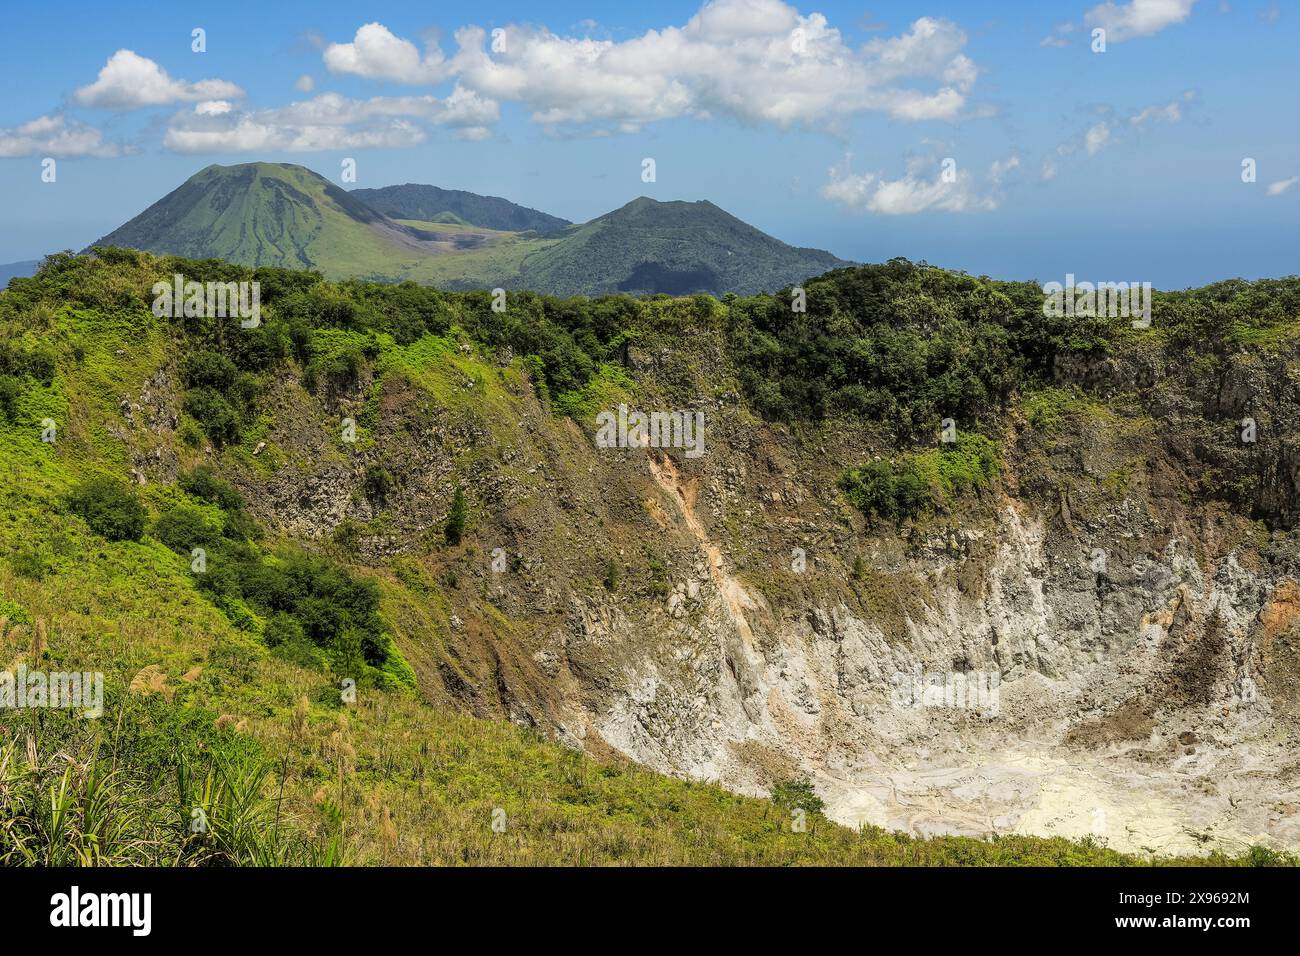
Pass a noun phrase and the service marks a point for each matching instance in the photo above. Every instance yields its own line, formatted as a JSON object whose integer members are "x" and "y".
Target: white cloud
{"x": 129, "y": 81}
{"x": 1138, "y": 18}
{"x": 1171, "y": 112}
{"x": 1282, "y": 185}
{"x": 922, "y": 188}
{"x": 1111, "y": 129}
{"x": 331, "y": 121}
{"x": 1096, "y": 138}
{"x": 1057, "y": 37}
{"x": 753, "y": 60}
{"x": 377, "y": 54}
{"x": 250, "y": 133}
{"x": 1000, "y": 167}
{"x": 55, "y": 136}
{"x": 305, "y": 83}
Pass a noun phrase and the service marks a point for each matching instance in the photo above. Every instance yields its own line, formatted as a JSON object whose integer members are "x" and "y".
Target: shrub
{"x": 28, "y": 563}
{"x": 377, "y": 483}
{"x": 190, "y": 434}
{"x": 658, "y": 586}
{"x": 37, "y": 362}
{"x": 286, "y": 638}
{"x": 207, "y": 369}
{"x": 214, "y": 415}
{"x": 336, "y": 363}
{"x": 921, "y": 481}
{"x": 797, "y": 794}
{"x": 110, "y": 507}
{"x": 612, "y": 574}
{"x": 346, "y": 536}
{"x": 184, "y": 527}
{"x": 883, "y": 489}
{"x": 1263, "y": 856}
{"x": 281, "y": 628}
{"x": 455, "y": 527}
{"x": 202, "y": 482}
{"x": 10, "y": 389}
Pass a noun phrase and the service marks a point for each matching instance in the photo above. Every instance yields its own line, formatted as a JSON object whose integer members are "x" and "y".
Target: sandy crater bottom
{"x": 1213, "y": 800}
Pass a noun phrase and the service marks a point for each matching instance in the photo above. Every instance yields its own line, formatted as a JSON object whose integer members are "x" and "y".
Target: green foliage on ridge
{"x": 921, "y": 481}
{"x": 272, "y": 619}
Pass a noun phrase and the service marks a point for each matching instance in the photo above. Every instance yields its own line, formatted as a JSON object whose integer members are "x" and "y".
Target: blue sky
{"x": 824, "y": 123}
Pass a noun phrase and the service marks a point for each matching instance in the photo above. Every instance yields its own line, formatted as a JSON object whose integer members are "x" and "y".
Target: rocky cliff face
{"x": 1106, "y": 642}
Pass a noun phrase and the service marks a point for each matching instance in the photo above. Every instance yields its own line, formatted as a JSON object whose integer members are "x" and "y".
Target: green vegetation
{"x": 454, "y": 529}
{"x": 307, "y": 602}
{"x": 377, "y": 482}
{"x": 613, "y": 574}
{"x": 21, "y": 364}
{"x": 1049, "y": 409}
{"x": 432, "y": 204}
{"x": 268, "y": 214}
{"x": 675, "y": 248}
{"x": 903, "y": 344}
{"x": 797, "y": 795}
{"x": 110, "y": 507}
{"x": 921, "y": 481}
{"x": 159, "y": 786}
{"x": 223, "y": 683}
{"x": 282, "y": 215}
{"x": 130, "y": 796}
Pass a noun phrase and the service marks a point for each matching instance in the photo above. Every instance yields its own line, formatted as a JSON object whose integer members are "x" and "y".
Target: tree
{"x": 455, "y": 527}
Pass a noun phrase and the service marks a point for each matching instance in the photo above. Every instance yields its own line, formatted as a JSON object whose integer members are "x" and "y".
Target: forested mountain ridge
{"x": 414, "y": 201}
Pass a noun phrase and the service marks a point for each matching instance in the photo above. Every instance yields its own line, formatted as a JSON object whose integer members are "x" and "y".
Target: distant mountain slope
{"x": 432, "y": 204}
{"x": 9, "y": 270}
{"x": 271, "y": 214}
{"x": 286, "y": 215}
{"x": 673, "y": 247}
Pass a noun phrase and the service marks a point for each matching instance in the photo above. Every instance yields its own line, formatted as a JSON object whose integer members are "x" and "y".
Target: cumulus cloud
{"x": 55, "y": 136}
{"x": 129, "y": 81}
{"x": 1096, "y": 138}
{"x": 377, "y": 54}
{"x": 753, "y": 60}
{"x": 1138, "y": 18}
{"x": 214, "y": 107}
{"x": 922, "y": 188}
{"x": 1282, "y": 185}
{"x": 330, "y": 121}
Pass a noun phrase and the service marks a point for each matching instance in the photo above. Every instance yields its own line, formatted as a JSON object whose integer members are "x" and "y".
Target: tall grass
{"x": 102, "y": 799}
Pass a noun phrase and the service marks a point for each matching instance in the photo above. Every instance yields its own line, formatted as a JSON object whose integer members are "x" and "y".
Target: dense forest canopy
{"x": 901, "y": 343}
